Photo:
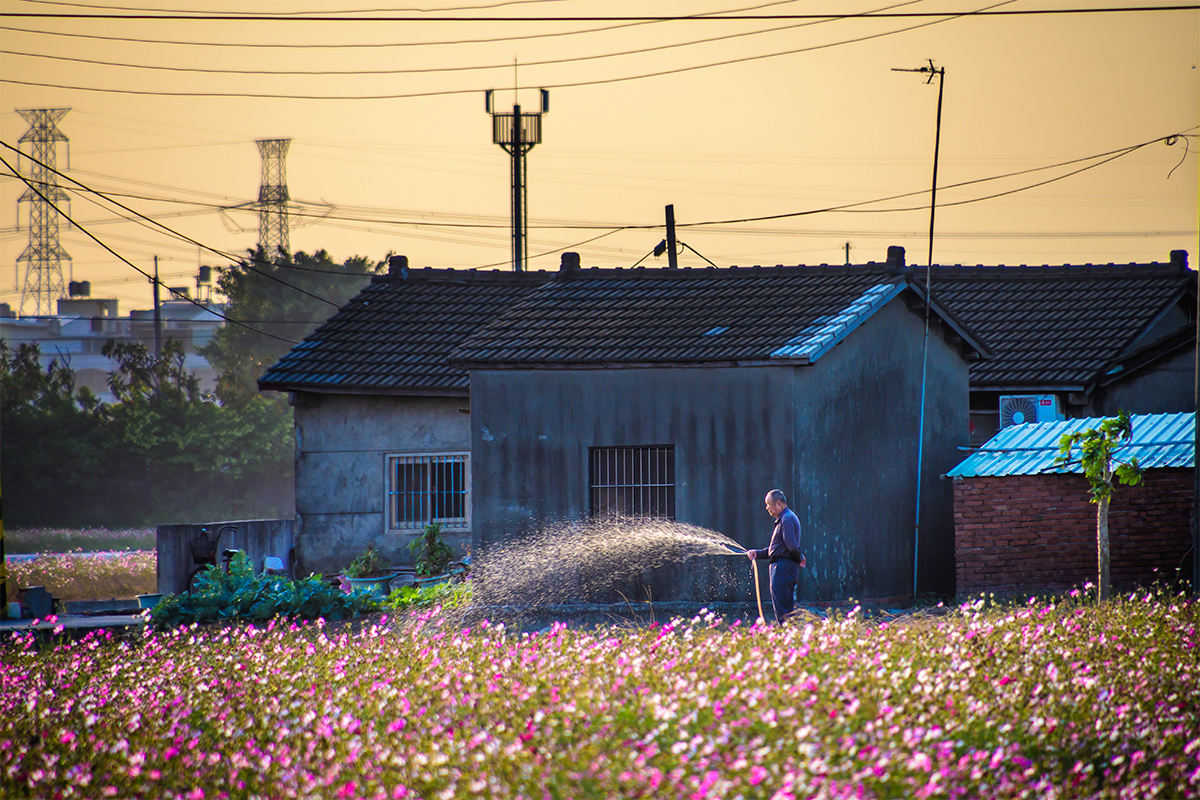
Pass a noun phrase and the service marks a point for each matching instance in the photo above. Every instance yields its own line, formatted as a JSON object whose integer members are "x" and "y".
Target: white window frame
{"x": 392, "y": 524}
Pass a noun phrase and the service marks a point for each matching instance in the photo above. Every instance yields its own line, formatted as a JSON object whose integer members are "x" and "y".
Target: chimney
{"x": 398, "y": 266}
{"x": 895, "y": 260}
{"x": 570, "y": 263}
{"x": 1179, "y": 258}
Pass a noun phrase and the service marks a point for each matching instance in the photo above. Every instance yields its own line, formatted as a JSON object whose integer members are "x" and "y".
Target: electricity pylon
{"x": 273, "y": 197}
{"x": 44, "y": 255}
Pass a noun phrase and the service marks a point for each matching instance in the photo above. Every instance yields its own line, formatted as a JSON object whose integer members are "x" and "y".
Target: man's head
{"x": 776, "y": 502}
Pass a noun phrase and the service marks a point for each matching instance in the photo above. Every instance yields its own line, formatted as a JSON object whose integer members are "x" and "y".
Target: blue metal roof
{"x": 1159, "y": 440}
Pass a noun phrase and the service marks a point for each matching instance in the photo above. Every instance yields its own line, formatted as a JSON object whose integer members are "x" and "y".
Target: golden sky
{"x": 753, "y": 117}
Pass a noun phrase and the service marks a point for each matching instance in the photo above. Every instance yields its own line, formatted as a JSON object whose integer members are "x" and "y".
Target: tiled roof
{"x": 1159, "y": 440}
{"x": 1055, "y": 327}
{"x": 644, "y": 316}
{"x": 393, "y": 336}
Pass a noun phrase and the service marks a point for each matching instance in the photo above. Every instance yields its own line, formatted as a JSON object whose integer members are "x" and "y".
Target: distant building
{"x": 77, "y": 335}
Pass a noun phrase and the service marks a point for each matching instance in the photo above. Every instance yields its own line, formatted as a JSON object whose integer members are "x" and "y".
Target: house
{"x": 1024, "y": 525}
{"x": 723, "y": 384}
{"x": 1075, "y": 341}
{"x": 383, "y": 437}
{"x": 77, "y": 334}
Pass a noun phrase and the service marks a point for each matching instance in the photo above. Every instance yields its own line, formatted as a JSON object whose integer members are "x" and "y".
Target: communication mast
{"x": 273, "y": 197}
{"x": 517, "y": 132}
{"x": 44, "y": 255}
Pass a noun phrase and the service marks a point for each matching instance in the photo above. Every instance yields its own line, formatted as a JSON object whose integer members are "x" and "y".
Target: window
{"x": 632, "y": 481}
{"x": 427, "y": 489}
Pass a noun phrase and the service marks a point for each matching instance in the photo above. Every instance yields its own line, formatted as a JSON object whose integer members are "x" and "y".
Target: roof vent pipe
{"x": 398, "y": 266}
{"x": 569, "y": 264}
{"x": 895, "y": 260}
{"x": 1179, "y": 257}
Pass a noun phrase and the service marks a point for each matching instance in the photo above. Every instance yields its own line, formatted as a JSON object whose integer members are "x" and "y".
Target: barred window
{"x": 426, "y": 489}
{"x": 632, "y": 481}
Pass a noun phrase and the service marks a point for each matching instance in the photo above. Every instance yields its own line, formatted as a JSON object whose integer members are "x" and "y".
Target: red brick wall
{"x": 1031, "y": 533}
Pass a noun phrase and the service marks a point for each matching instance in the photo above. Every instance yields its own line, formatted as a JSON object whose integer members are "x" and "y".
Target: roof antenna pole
{"x": 672, "y": 254}
{"x": 517, "y": 133}
{"x": 940, "y": 72}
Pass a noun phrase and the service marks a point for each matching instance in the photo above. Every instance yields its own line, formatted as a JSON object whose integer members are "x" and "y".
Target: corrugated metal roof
{"x": 1159, "y": 440}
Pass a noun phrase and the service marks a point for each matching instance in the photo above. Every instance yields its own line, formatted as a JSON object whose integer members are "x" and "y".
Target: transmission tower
{"x": 44, "y": 255}
{"x": 517, "y": 133}
{"x": 273, "y": 197}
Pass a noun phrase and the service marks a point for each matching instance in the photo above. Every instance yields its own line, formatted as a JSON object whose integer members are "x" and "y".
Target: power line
{"x": 134, "y": 266}
{"x": 724, "y": 17}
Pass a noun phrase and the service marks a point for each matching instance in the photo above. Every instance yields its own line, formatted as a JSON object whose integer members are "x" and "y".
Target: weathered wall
{"x": 1167, "y": 387}
{"x": 342, "y": 443}
{"x": 838, "y": 437}
{"x": 856, "y": 460}
{"x": 1031, "y": 533}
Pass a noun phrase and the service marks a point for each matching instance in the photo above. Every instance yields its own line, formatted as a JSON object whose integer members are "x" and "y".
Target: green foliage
{"x": 447, "y": 595}
{"x": 431, "y": 551}
{"x": 163, "y": 452}
{"x": 1096, "y": 448}
{"x": 259, "y": 290}
{"x": 242, "y": 595}
{"x": 368, "y": 565}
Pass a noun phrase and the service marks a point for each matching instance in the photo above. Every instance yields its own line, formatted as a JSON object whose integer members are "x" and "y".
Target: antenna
{"x": 517, "y": 133}
{"x": 43, "y": 255}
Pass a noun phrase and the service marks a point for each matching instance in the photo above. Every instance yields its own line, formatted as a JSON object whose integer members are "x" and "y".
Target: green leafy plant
{"x": 368, "y": 565}
{"x": 431, "y": 551}
{"x": 446, "y": 595}
{"x": 242, "y": 595}
{"x": 1096, "y": 455}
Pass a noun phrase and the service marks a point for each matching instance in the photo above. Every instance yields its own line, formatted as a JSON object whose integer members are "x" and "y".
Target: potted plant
{"x": 369, "y": 571}
{"x": 431, "y": 552}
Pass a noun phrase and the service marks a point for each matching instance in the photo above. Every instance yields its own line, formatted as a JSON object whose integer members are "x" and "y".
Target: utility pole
{"x": 273, "y": 198}
{"x": 940, "y": 73}
{"x": 672, "y": 255}
{"x": 157, "y": 314}
{"x": 44, "y": 255}
{"x": 847, "y": 254}
{"x": 517, "y": 133}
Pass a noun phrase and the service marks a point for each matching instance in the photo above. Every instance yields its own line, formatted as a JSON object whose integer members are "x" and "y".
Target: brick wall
{"x": 1032, "y": 533}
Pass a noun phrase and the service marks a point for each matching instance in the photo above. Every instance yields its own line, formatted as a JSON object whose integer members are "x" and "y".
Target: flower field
{"x": 87, "y": 576}
{"x": 1064, "y": 699}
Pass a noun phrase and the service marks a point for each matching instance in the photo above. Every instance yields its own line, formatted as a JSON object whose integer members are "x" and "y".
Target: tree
{"x": 288, "y": 296}
{"x": 1096, "y": 448}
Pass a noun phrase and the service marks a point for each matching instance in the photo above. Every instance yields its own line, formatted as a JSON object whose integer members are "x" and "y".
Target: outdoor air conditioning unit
{"x": 1019, "y": 408}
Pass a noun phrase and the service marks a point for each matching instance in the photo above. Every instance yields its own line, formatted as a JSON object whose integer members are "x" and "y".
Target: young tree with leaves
{"x": 1097, "y": 447}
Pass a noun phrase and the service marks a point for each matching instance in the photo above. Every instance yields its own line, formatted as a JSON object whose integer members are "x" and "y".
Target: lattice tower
{"x": 273, "y": 197}
{"x": 44, "y": 255}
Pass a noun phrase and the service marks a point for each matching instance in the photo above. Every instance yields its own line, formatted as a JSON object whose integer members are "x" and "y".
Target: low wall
{"x": 257, "y": 538}
{"x": 1033, "y": 533}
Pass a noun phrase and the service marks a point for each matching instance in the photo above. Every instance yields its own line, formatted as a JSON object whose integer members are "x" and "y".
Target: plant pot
{"x": 148, "y": 600}
{"x": 378, "y": 585}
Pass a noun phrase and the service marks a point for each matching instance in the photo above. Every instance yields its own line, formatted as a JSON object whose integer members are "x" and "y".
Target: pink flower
{"x": 397, "y": 725}
{"x": 67, "y": 737}
{"x": 757, "y": 775}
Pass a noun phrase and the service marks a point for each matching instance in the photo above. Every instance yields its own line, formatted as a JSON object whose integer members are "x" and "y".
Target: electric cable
{"x": 129, "y": 263}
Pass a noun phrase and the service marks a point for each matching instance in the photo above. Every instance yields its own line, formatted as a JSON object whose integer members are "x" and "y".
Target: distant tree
{"x": 285, "y": 296}
{"x": 1096, "y": 455}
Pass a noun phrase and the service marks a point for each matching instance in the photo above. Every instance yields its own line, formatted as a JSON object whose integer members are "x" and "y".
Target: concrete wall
{"x": 257, "y": 538}
{"x": 1037, "y": 533}
{"x": 342, "y": 444}
{"x": 838, "y": 437}
{"x": 1168, "y": 386}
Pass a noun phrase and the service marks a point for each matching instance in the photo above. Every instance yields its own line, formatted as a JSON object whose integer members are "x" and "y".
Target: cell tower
{"x": 517, "y": 133}
{"x": 44, "y": 255}
{"x": 273, "y": 197}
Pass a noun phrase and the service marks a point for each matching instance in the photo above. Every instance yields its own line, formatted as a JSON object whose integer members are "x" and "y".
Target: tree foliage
{"x": 287, "y": 296}
{"x": 163, "y": 452}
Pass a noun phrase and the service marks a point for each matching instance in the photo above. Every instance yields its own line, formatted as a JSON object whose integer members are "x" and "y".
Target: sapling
{"x": 1100, "y": 467}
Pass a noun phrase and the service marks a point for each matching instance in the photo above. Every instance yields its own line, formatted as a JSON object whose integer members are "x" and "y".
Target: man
{"x": 783, "y": 554}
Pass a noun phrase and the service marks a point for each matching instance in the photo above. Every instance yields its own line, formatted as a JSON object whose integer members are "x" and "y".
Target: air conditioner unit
{"x": 1016, "y": 409}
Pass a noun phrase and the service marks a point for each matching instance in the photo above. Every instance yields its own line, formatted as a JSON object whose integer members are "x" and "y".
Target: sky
{"x": 725, "y": 119}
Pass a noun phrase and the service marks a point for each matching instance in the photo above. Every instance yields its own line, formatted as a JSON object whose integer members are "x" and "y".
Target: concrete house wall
{"x": 342, "y": 444}
{"x": 839, "y": 437}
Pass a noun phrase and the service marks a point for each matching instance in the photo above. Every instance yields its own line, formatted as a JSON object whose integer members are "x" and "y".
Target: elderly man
{"x": 783, "y": 554}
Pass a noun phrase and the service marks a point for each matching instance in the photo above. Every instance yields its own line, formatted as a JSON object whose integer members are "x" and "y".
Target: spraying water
{"x": 595, "y": 561}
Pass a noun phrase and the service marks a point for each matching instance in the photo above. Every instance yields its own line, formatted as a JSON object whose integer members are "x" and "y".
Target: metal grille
{"x": 632, "y": 481}
{"x": 427, "y": 489}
